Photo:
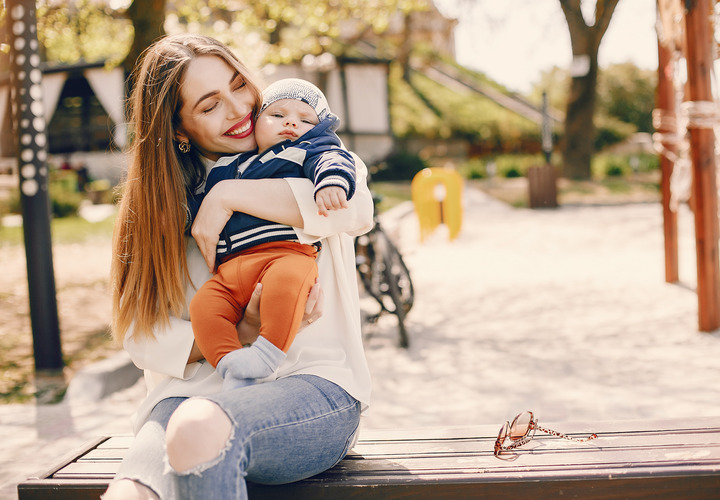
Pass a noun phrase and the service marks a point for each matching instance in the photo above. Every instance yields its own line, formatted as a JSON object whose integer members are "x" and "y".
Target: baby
{"x": 295, "y": 134}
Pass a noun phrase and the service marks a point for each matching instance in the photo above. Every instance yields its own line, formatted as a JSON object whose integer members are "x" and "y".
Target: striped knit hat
{"x": 295, "y": 88}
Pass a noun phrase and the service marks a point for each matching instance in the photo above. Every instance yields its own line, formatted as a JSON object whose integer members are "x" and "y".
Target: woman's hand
{"x": 210, "y": 221}
{"x": 249, "y": 327}
{"x": 314, "y": 305}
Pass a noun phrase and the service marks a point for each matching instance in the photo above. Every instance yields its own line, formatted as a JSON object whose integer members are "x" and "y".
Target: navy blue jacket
{"x": 317, "y": 155}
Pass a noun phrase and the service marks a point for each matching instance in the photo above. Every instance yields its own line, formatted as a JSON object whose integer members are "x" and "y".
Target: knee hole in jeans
{"x": 198, "y": 433}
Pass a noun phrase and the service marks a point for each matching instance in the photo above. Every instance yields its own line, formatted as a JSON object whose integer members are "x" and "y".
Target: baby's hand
{"x": 330, "y": 198}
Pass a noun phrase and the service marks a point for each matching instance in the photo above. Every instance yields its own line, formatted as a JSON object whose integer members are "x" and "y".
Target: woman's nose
{"x": 239, "y": 108}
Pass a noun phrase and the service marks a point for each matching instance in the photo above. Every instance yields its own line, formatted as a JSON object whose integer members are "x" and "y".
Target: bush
{"x": 617, "y": 165}
{"x": 474, "y": 168}
{"x": 512, "y": 172}
{"x": 65, "y": 201}
{"x": 399, "y": 166}
{"x": 611, "y": 131}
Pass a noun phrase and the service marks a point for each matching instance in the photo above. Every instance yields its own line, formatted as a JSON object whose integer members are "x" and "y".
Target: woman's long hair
{"x": 149, "y": 272}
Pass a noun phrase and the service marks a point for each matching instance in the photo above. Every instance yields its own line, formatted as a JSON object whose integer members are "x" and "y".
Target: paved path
{"x": 564, "y": 312}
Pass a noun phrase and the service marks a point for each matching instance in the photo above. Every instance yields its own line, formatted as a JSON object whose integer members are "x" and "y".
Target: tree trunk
{"x": 405, "y": 47}
{"x": 579, "y": 126}
{"x": 148, "y": 18}
{"x": 579, "y": 135}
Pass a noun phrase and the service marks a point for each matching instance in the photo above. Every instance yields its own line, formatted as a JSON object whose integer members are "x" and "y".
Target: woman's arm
{"x": 270, "y": 199}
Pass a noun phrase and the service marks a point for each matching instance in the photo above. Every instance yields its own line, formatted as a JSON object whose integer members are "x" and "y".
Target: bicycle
{"x": 384, "y": 275}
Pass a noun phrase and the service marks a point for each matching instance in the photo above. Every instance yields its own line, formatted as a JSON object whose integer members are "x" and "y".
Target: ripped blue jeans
{"x": 283, "y": 431}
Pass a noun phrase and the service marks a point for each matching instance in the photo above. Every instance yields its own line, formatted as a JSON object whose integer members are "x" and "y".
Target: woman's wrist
{"x": 248, "y": 332}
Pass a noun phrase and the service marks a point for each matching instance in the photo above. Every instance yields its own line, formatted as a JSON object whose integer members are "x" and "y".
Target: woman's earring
{"x": 184, "y": 147}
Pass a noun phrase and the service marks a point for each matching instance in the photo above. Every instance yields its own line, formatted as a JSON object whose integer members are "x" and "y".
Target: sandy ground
{"x": 563, "y": 312}
{"x": 83, "y": 302}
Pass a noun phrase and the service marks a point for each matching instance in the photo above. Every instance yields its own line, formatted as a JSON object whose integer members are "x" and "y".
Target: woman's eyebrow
{"x": 203, "y": 97}
{"x": 214, "y": 92}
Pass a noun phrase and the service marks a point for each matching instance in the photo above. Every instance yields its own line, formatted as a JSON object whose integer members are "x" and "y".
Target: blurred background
{"x": 477, "y": 86}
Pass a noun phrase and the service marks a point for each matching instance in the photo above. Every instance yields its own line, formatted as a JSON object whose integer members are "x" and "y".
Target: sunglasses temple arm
{"x": 517, "y": 444}
{"x": 565, "y": 436}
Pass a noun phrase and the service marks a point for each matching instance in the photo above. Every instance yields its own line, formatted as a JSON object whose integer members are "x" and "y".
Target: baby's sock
{"x": 243, "y": 366}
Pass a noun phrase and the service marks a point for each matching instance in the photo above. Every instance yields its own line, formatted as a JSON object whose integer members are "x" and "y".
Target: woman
{"x": 193, "y": 103}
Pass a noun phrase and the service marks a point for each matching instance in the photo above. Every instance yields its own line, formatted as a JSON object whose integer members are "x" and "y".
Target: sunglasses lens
{"x": 503, "y": 434}
{"x": 520, "y": 426}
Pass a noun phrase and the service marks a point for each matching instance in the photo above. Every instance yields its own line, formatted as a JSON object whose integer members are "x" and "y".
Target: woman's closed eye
{"x": 210, "y": 108}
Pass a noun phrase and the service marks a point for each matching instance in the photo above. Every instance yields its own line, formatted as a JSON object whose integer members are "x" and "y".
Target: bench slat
{"x": 656, "y": 460}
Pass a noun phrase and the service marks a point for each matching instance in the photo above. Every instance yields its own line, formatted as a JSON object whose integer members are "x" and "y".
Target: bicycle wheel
{"x": 397, "y": 283}
{"x": 366, "y": 262}
{"x": 379, "y": 263}
{"x": 385, "y": 276}
{"x": 395, "y": 292}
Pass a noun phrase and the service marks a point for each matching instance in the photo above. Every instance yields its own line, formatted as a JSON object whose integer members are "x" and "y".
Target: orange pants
{"x": 287, "y": 271}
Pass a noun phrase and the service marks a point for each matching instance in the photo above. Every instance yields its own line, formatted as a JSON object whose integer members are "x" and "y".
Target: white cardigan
{"x": 330, "y": 348}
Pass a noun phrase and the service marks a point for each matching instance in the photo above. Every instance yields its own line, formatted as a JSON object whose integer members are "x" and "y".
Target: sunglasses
{"x": 522, "y": 430}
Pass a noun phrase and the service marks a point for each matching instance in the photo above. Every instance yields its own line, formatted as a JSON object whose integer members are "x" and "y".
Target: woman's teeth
{"x": 240, "y": 130}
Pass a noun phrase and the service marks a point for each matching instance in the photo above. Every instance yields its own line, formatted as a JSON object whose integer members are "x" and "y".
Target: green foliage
{"x": 391, "y": 193}
{"x": 65, "y": 200}
{"x": 64, "y": 230}
{"x": 512, "y": 172}
{"x": 398, "y": 166}
{"x": 627, "y": 93}
{"x": 409, "y": 115}
{"x": 288, "y": 29}
{"x": 83, "y": 30}
{"x": 474, "y": 168}
{"x": 506, "y": 165}
{"x": 555, "y": 83}
{"x": 610, "y": 130}
{"x": 626, "y": 98}
{"x": 428, "y": 109}
{"x": 606, "y": 165}
{"x": 261, "y": 31}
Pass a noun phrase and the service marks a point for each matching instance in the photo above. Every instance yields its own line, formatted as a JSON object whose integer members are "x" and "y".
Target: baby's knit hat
{"x": 295, "y": 88}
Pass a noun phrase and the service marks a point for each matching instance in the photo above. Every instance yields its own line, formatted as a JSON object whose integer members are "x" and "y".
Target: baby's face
{"x": 282, "y": 120}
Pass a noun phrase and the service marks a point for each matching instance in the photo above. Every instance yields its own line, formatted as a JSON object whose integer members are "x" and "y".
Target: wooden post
{"x": 30, "y": 125}
{"x": 699, "y": 41}
{"x": 666, "y": 127}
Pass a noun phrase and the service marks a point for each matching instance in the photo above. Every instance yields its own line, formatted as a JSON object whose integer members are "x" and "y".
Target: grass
{"x": 65, "y": 230}
{"x": 392, "y": 193}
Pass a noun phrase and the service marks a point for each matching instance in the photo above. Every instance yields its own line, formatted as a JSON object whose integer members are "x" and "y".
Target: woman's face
{"x": 216, "y": 116}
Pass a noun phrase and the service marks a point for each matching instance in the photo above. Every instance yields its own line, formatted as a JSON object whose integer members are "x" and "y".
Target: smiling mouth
{"x": 243, "y": 129}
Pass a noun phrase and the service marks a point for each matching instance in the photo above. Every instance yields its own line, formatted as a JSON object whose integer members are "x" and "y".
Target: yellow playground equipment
{"x": 437, "y": 196}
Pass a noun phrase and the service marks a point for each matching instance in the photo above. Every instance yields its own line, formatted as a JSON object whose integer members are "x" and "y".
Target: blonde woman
{"x": 194, "y": 102}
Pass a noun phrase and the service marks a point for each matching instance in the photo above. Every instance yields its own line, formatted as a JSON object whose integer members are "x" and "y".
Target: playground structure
{"x": 685, "y": 117}
{"x": 685, "y": 120}
{"x": 437, "y": 198}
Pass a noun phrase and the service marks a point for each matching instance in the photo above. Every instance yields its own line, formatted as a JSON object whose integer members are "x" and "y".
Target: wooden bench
{"x": 635, "y": 459}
